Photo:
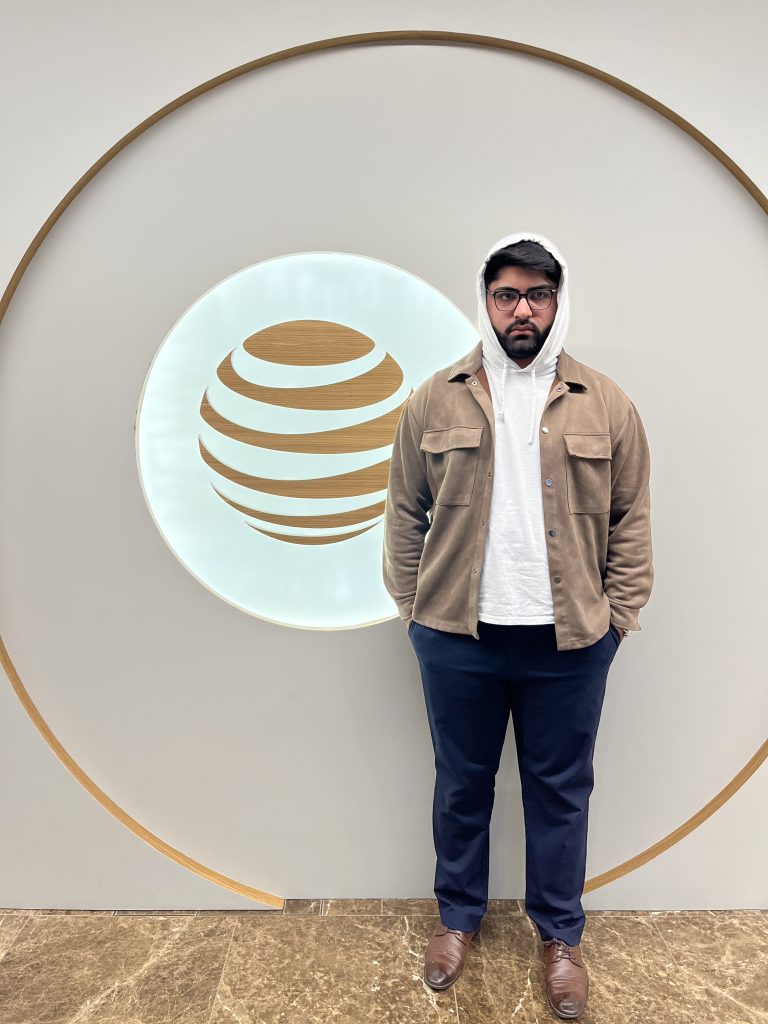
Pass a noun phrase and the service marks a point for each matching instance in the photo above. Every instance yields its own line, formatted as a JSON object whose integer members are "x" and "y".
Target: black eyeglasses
{"x": 508, "y": 298}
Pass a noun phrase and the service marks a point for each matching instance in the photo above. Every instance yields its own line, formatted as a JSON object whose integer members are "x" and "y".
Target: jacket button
{"x": 548, "y": 482}
{"x": 474, "y": 571}
{"x": 474, "y": 382}
{"x": 489, "y": 472}
{"x": 545, "y": 430}
{"x": 552, "y": 533}
{"x": 557, "y": 579}
{"x": 482, "y": 522}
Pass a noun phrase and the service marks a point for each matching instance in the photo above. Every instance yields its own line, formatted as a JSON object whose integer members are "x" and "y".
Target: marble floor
{"x": 361, "y": 960}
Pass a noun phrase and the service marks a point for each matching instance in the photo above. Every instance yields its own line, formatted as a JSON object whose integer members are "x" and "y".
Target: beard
{"x": 522, "y": 346}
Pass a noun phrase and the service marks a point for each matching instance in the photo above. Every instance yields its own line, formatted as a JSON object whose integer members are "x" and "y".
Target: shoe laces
{"x": 562, "y": 950}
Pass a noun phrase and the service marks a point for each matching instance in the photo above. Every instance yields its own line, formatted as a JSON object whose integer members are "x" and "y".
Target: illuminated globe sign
{"x": 265, "y": 430}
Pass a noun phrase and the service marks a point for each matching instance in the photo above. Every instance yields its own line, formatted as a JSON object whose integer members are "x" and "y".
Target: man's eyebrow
{"x": 513, "y": 288}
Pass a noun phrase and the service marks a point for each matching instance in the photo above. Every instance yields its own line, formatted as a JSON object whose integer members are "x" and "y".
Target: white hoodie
{"x": 514, "y": 582}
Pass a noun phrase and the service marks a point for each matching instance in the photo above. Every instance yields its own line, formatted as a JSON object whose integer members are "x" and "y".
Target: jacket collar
{"x": 568, "y": 368}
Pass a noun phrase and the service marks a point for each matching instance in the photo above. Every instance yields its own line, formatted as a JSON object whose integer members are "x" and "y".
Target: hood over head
{"x": 494, "y": 356}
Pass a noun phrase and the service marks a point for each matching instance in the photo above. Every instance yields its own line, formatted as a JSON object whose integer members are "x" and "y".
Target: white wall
{"x": 295, "y": 761}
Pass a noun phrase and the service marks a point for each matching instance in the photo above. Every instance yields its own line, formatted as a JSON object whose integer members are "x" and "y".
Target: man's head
{"x": 520, "y": 267}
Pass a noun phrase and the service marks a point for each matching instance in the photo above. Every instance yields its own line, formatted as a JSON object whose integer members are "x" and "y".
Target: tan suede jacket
{"x": 595, "y": 471}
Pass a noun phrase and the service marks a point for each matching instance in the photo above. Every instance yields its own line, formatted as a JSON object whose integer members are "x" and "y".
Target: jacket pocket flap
{"x": 589, "y": 446}
{"x": 440, "y": 439}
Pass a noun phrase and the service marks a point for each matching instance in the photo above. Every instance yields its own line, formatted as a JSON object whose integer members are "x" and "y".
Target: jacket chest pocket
{"x": 453, "y": 455}
{"x": 588, "y": 472}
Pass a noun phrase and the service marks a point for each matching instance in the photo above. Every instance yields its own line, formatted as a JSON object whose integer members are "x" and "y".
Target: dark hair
{"x": 528, "y": 254}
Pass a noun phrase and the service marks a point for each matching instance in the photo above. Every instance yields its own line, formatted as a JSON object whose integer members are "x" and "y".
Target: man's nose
{"x": 522, "y": 300}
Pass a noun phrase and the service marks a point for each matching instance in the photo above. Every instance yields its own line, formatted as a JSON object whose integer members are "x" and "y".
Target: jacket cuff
{"x": 625, "y": 617}
{"x": 405, "y": 609}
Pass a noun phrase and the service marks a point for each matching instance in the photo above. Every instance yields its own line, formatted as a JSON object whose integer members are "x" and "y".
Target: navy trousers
{"x": 555, "y": 699}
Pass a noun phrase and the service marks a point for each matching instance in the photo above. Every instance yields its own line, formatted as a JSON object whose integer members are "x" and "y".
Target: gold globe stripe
{"x": 363, "y": 436}
{"x": 420, "y": 36}
{"x": 308, "y": 343}
{"x": 366, "y": 480}
{"x": 366, "y": 389}
{"x": 350, "y": 518}
{"x": 294, "y": 538}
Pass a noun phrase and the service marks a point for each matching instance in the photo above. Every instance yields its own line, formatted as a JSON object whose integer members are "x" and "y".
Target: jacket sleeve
{"x": 628, "y": 577}
{"x": 409, "y": 498}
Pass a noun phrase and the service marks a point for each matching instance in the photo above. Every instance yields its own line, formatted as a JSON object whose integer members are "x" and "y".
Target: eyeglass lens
{"x": 538, "y": 298}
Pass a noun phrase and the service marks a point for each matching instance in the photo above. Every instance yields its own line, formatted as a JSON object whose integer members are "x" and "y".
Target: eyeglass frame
{"x": 522, "y": 295}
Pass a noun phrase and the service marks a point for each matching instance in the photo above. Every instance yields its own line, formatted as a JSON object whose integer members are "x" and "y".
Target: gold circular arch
{"x": 337, "y": 42}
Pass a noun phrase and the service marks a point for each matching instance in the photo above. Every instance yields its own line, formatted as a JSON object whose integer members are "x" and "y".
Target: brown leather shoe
{"x": 565, "y": 977}
{"x": 445, "y": 955}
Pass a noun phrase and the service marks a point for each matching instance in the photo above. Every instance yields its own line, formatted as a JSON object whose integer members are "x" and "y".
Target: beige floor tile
{"x": 346, "y": 907}
{"x": 340, "y": 968}
{"x": 361, "y": 960}
{"x": 112, "y": 970}
{"x": 303, "y": 906}
{"x": 632, "y": 978}
{"x": 723, "y": 959}
{"x": 10, "y": 928}
{"x": 413, "y": 907}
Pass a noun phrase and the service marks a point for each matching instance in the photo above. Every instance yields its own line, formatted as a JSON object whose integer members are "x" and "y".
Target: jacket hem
{"x": 448, "y": 627}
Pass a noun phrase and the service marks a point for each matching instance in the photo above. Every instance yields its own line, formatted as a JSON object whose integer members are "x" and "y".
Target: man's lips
{"x": 521, "y": 330}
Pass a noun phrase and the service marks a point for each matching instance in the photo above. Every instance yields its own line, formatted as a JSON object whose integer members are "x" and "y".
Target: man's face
{"x": 521, "y": 345}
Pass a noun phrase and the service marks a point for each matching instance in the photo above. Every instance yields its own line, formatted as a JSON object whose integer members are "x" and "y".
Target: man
{"x": 517, "y": 546}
